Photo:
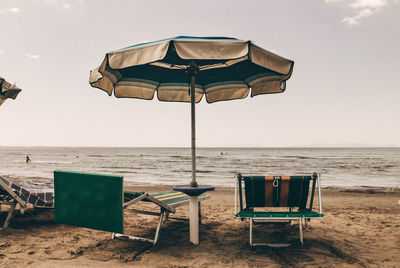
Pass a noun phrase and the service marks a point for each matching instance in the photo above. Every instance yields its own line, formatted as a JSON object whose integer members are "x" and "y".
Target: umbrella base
{"x": 194, "y": 219}
{"x": 193, "y": 191}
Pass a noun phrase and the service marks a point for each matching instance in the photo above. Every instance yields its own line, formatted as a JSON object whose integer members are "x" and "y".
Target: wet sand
{"x": 361, "y": 228}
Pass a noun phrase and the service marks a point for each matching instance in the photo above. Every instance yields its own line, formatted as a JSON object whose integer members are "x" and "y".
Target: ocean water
{"x": 347, "y": 167}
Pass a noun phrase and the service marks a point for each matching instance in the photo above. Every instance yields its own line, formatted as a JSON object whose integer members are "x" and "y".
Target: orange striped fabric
{"x": 178, "y": 195}
{"x": 268, "y": 190}
{"x": 285, "y": 182}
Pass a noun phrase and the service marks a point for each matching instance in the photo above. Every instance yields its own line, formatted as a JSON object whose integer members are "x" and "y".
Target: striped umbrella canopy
{"x": 7, "y": 90}
{"x": 225, "y": 69}
{"x": 221, "y": 68}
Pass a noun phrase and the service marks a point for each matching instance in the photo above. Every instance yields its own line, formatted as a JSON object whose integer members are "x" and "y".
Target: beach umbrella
{"x": 186, "y": 68}
{"x": 7, "y": 90}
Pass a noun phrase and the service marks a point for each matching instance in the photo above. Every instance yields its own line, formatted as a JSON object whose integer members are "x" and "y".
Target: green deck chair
{"x": 98, "y": 201}
{"x": 288, "y": 195}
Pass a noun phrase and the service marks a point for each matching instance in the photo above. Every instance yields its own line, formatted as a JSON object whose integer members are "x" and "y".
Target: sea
{"x": 343, "y": 167}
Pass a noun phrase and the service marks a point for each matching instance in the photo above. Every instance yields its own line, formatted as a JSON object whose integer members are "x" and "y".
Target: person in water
{"x": 28, "y": 160}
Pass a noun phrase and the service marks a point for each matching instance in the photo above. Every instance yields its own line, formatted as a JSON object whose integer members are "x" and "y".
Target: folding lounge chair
{"x": 39, "y": 195}
{"x": 281, "y": 198}
{"x": 168, "y": 201}
{"x": 97, "y": 201}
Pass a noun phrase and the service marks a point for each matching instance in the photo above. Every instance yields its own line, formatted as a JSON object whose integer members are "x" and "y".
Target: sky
{"x": 344, "y": 91}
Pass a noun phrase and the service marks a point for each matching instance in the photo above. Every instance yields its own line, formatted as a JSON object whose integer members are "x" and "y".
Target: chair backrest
{"x": 276, "y": 191}
{"x": 89, "y": 200}
{"x": 7, "y": 192}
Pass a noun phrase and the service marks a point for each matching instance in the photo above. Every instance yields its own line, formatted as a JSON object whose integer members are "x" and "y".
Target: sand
{"x": 361, "y": 228}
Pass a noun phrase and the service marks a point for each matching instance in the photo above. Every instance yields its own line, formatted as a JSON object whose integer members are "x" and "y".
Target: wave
{"x": 180, "y": 156}
{"x": 297, "y": 157}
{"x": 205, "y": 171}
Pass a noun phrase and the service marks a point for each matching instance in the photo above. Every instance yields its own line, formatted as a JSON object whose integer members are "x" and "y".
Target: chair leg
{"x": 162, "y": 219}
{"x": 301, "y": 230}
{"x": 166, "y": 217}
{"x": 251, "y": 231}
{"x": 199, "y": 213}
{"x": 9, "y": 215}
{"x": 159, "y": 227}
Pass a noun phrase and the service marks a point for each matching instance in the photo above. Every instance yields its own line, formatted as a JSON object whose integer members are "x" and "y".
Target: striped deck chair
{"x": 39, "y": 195}
{"x": 98, "y": 201}
{"x": 276, "y": 199}
{"x": 168, "y": 201}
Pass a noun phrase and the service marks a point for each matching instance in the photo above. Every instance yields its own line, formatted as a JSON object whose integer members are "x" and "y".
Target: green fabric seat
{"x": 168, "y": 197}
{"x": 305, "y": 214}
{"x": 171, "y": 197}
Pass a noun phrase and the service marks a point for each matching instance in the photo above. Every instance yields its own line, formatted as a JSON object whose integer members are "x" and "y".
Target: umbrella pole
{"x": 193, "y": 200}
{"x": 193, "y": 123}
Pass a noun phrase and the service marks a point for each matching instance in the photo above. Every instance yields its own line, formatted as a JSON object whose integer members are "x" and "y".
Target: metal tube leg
{"x": 159, "y": 227}
{"x": 194, "y": 219}
{"x": 301, "y": 230}
{"x": 319, "y": 194}
{"x": 236, "y": 194}
{"x": 251, "y": 231}
{"x": 199, "y": 213}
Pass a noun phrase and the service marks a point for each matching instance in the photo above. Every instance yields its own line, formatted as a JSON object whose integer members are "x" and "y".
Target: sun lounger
{"x": 276, "y": 199}
{"x": 97, "y": 201}
{"x": 39, "y": 195}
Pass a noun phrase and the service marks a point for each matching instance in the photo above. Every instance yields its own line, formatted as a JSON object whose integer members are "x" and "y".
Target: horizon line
{"x": 208, "y": 147}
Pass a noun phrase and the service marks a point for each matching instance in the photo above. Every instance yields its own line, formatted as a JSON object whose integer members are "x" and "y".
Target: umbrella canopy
{"x": 184, "y": 69}
{"x": 226, "y": 69}
{"x": 7, "y": 90}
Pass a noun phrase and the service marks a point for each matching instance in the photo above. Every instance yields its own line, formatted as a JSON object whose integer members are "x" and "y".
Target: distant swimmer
{"x": 28, "y": 160}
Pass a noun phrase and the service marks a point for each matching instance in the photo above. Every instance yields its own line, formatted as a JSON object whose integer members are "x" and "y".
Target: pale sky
{"x": 345, "y": 87}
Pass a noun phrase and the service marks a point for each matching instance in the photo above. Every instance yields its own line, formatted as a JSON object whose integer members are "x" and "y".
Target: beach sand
{"x": 361, "y": 228}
